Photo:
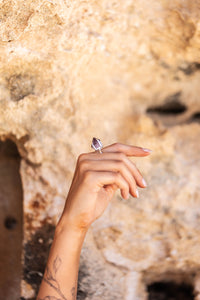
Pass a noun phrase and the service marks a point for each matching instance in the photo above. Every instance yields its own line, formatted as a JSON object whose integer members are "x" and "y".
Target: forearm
{"x": 61, "y": 273}
{"x": 96, "y": 178}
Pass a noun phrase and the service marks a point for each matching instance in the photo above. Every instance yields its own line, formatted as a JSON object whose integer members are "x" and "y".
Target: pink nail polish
{"x": 146, "y": 150}
{"x": 144, "y": 182}
{"x": 137, "y": 193}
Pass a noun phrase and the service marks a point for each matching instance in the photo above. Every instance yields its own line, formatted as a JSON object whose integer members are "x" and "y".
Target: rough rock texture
{"x": 125, "y": 71}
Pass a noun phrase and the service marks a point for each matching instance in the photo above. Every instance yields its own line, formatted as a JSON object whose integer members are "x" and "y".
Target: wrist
{"x": 66, "y": 228}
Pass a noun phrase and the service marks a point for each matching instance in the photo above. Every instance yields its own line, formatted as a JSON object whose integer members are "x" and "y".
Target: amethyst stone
{"x": 96, "y": 144}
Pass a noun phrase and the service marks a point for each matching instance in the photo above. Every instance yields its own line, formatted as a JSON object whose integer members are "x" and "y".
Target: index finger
{"x": 128, "y": 150}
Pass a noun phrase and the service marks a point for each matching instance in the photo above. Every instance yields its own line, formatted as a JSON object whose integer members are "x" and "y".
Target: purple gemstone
{"x": 96, "y": 144}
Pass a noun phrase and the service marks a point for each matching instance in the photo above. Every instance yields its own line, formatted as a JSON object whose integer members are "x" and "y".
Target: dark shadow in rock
{"x": 170, "y": 291}
{"x": 172, "y": 106}
{"x": 171, "y": 113}
{"x": 195, "y": 118}
{"x": 21, "y": 86}
{"x": 83, "y": 272}
{"x": 191, "y": 68}
{"x": 10, "y": 222}
{"x": 36, "y": 252}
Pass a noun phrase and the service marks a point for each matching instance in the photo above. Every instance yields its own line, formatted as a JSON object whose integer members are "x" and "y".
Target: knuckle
{"x": 122, "y": 167}
{"x": 121, "y": 179}
{"x": 117, "y": 176}
{"x": 81, "y": 157}
{"x": 122, "y": 156}
{"x": 87, "y": 176}
{"x": 124, "y": 170}
{"x": 120, "y": 164}
{"x": 83, "y": 165}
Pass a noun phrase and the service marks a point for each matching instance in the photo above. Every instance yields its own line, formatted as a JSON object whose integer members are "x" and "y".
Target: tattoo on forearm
{"x": 73, "y": 290}
{"x": 50, "y": 279}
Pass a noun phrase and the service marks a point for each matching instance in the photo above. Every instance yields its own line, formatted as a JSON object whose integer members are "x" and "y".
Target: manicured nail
{"x": 147, "y": 150}
{"x": 144, "y": 182}
{"x": 137, "y": 193}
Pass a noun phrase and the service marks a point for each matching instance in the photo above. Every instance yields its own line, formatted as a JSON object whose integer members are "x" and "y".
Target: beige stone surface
{"x": 71, "y": 70}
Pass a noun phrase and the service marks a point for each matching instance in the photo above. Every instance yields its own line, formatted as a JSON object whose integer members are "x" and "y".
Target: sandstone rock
{"x": 125, "y": 72}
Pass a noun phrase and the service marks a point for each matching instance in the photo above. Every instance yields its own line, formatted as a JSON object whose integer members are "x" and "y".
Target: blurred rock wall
{"x": 126, "y": 71}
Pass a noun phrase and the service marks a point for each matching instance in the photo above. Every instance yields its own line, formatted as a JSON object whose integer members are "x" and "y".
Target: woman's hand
{"x": 96, "y": 178}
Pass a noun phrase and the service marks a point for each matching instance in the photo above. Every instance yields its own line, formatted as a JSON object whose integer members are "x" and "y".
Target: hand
{"x": 96, "y": 178}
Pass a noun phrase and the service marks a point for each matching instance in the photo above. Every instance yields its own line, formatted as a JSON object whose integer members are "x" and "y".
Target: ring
{"x": 97, "y": 144}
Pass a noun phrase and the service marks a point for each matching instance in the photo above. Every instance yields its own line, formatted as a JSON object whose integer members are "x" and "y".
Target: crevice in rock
{"x": 195, "y": 118}
{"x": 83, "y": 273}
{"x": 20, "y": 143}
{"x": 172, "y": 112}
{"x": 190, "y": 68}
{"x": 171, "y": 106}
{"x": 170, "y": 291}
{"x": 11, "y": 214}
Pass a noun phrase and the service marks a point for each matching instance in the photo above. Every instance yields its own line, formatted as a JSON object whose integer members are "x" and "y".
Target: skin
{"x": 96, "y": 178}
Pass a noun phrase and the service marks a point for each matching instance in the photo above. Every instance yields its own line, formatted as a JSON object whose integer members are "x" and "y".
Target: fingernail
{"x": 144, "y": 182}
{"x": 147, "y": 150}
{"x": 137, "y": 193}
